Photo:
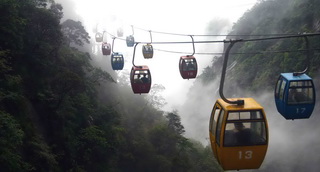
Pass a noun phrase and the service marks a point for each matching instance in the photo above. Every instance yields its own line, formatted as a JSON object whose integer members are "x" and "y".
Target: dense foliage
{"x": 60, "y": 113}
{"x": 258, "y": 63}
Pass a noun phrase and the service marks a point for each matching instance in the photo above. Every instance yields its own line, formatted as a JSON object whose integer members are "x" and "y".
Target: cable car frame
{"x": 140, "y": 77}
{"x": 147, "y": 50}
{"x": 245, "y": 146}
{"x": 106, "y": 48}
{"x": 241, "y": 147}
{"x": 117, "y": 60}
{"x": 188, "y": 66}
{"x": 130, "y": 39}
{"x": 295, "y": 94}
{"x": 99, "y": 37}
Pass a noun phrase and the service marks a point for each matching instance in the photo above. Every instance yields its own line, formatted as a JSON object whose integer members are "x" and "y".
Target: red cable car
{"x": 140, "y": 78}
{"x": 106, "y": 48}
{"x": 188, "y": 67}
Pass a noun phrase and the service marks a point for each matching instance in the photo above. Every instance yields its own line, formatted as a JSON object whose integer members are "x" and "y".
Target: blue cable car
{"x": 295, "y": 95}
{"x": 117, "y": 61}
{"x": 130, "y": 41}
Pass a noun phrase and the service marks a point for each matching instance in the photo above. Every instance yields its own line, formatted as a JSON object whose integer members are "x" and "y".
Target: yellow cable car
{"x": 239, "y": 134}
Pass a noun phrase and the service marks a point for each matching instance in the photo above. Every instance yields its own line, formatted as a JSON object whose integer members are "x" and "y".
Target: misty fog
{"x": 293, "y": 145}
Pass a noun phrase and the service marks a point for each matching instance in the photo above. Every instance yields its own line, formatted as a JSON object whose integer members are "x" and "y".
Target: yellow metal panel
{"x": 249, "y": 104}
{"x": 245, "y": 157}
{"x": 240, "y": 157}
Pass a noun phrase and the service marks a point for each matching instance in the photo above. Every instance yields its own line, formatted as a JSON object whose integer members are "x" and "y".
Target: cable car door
{"x": 217, "y": 116}
{"x": 280, "y": 95}
{"x": 300, "y": 99}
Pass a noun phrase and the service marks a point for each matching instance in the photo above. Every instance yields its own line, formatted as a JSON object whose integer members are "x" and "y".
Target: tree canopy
{"x": 59, "y": 112}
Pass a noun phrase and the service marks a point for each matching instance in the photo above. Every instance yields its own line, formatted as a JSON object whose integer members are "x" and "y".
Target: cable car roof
{"x": 289, "y": 76}
{"x": 187, "y": 57}
{"x": 141, "y": 67}
{"x": 249, "y": 104}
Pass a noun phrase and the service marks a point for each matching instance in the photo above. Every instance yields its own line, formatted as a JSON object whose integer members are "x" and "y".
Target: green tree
{"x": 11, "y": 139}
{"x": 174, "y": 123}
{"x": 74, "y": 32}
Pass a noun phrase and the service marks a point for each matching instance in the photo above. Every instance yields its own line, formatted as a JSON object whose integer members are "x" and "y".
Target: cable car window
{"x": 214, "y": 119}
{"x": 147, "y": 49}
{"x": 300, "y": 96}
{"x": 141, "y": 76}
{"x": 283, "y": 85}
{"x": 245, "y": 133}
{"x": 190, "y": 65}
{"x": 218, "y": 132}
{"x": 243, "y": 115}
{"x": 300, "y": 84}
{"x": 278, "y": 88}
{"x": 184, "y": 66}
{"x": 194, "y": 63}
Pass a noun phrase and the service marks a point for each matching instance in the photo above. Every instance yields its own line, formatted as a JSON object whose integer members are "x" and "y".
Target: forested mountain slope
{"x": 58, "y": 112}
{"x": 253, "y": 70}
{"x": 260, "y": 62}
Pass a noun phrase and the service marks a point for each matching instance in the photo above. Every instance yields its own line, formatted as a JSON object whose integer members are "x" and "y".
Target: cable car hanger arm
{"x": 223, "y": 74}
{"x": 134, "y": 52}
{"x": 194, "y": 50}
{"x": 150, "y": 36}
{"x": 113, "y": 38}
{"x": 308, "y": 58}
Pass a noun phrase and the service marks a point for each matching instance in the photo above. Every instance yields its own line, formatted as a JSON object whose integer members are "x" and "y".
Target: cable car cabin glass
{"x": 117, "y": 61}
{"x": 140, "y": 78}
{"x": 99, "y": 37}
{"x": 188, "y": 67}
{"x": 295, "y": 96}
{"x": 120, "y": 32}
{"x": 130, "y": 41}
{"x": 239, "y": 134}
{"x": 147, "y": 51}
{"x": 106, "y": 48}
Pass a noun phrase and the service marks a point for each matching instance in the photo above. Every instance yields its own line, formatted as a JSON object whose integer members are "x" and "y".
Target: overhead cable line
{"x": 221, "y": 53}
{"x": 278, "y": 37}
{"x": 229, "y": 40}
{"x": 208, "y": 35}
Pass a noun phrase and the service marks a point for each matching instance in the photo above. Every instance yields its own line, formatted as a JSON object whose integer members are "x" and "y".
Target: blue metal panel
{"x": 117, "y": 61}
{"x": 297, "y": 110}
{"x": 290, "y": 77}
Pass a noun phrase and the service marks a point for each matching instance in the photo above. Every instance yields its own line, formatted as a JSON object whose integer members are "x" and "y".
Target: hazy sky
{"x": 174, "y": 16}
